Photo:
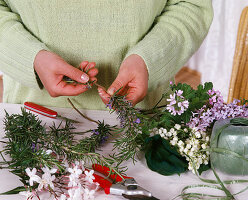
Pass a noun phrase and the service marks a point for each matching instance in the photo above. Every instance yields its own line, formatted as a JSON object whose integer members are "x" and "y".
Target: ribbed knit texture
{"x": 164, "y": 33}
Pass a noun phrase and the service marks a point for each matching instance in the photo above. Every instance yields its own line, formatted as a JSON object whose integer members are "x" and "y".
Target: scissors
{"x": 123, "y": 186}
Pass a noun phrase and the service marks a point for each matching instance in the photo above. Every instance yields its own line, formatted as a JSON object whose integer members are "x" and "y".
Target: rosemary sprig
{"x": 131, "y": 141}
{"x": 27, "y": 141}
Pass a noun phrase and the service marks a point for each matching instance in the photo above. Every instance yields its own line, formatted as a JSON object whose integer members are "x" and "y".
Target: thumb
{"x": 120, "y": 82}
{"x": 75, "y": 74}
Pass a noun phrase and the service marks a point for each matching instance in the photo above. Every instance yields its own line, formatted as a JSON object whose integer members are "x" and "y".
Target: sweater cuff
{"x": 18, "y": 55}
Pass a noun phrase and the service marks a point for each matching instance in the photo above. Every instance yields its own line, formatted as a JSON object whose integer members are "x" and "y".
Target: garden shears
{"x": 122, "y": 185}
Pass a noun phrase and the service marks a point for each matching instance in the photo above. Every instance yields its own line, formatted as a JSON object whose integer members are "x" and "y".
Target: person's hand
{"x": 51, "y": 69}
{"x": 132, "y": 78}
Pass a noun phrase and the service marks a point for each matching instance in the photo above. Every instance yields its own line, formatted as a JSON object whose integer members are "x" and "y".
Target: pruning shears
{"x": 45, "y": 111}
{"x": 122, "y": 185}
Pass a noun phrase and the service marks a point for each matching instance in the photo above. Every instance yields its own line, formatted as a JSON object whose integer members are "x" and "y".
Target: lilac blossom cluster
{"x": 190, "y": 147}
{"x": 177, "y": 104}
{"x": 216, "y": 110}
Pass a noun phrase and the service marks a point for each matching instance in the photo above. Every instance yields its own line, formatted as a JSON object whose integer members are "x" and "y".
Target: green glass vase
{"x": 228, "y": 137}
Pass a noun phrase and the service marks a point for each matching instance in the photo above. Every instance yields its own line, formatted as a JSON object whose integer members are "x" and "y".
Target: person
{"x": 137, "y": 46}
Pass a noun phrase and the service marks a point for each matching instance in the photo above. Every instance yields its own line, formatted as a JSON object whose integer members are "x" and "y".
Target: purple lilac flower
{"x": 204, "y": 117}
{"x": 178, "y": 104}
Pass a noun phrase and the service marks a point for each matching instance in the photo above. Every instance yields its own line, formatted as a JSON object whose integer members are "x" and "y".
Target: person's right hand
{"x": 51, "y": 69}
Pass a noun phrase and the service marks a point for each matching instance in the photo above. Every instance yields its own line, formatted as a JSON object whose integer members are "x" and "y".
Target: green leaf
{"x": 163, "y": 158}
{"x": 203, "y": 168}
{"x": 14, "y": 191}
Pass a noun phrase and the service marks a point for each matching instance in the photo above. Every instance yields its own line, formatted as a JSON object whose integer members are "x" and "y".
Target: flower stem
{"x": 84, "y": 116}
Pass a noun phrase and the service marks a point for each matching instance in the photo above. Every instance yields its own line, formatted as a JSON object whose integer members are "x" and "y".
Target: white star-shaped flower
{"x": 32, "y": 175}
{"x": 89, "y": 176}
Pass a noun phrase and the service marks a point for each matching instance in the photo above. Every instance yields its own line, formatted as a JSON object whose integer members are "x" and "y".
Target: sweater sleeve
{"x": 18, "y": 48}
{"x": 176, "y": 34}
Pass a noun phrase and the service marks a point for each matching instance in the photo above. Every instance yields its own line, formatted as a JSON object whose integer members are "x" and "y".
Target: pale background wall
{"x": 214, "y": 58}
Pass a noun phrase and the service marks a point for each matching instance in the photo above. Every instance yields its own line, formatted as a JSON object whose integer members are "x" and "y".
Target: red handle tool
{"x": 103, "y": 182}
{"x": 45, "y": 111}
{"x": 41, "y": 110}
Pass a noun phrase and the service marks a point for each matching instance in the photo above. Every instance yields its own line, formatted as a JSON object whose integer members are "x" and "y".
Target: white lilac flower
{"x": 169, "y": 134}
{"x": 191, "y": 153}
{"x": 181, "y": 150}
{"x": 186, "y": 151}
{"x": 207, "y": 138}
{"x": 185, "y": 130}
{"x": 192, "y": 149}
{"x": 177, "y": 126}
{"x": 89, "y": 194}
{"x": 200, "y": 161}
{"x": 197, "y": 134}
{"x": 173, "y": 142}
{"x": 89, "y": 176}
{"x": 164, "y": 131}
{"x": 172, "y": 130}
{"x": 188, "y": 146}
{"x": 32, "y": 176}
{"x": 180, "y": 143}
{"x": 204, "y": 146}
{"x": 175, "y": 138}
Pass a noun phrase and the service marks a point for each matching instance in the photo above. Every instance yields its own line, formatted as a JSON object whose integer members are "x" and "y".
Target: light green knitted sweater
{"x": 165, "y": 33}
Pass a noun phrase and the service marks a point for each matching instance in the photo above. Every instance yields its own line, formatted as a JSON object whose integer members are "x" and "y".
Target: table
{"x": 162, "y": 187}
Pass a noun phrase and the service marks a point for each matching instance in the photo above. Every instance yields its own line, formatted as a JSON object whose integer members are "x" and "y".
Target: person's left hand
{"x": 132, "y": 79}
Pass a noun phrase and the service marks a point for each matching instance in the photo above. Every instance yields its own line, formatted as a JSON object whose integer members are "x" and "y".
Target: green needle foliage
{"x": 27, "y": 140}
{"x": 132, "y": 139}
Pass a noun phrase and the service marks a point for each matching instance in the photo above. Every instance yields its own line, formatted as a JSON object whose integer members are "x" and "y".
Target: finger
{"x": 89, "y": 66}
{"x": 93, "y": 79}
{"x": 83, "y": 65}
{"x": 64, "y": 89}
{"x": 93, "y": 72}
{"x": 136, "y": 92}
{"x": 75, "y": 74}
{"x": 120, "y": 82}
{"x": 104, "y": 95}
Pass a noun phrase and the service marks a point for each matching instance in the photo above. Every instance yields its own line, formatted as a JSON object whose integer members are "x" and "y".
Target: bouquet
{"x": 175, "y": 135}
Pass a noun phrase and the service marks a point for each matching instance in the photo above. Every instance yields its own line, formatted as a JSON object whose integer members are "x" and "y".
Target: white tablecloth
{"x": 162, "y": 187}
